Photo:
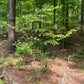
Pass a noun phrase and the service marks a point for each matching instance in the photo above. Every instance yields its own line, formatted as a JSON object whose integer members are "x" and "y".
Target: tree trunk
{"x": 82, "y": 16}
{"x": 77, "y": 10}
{"x": 11, "y": 29}
{"x": 67, "y": 16}
{"x": 63, "y": 11}
{"x": 54, "y": 10}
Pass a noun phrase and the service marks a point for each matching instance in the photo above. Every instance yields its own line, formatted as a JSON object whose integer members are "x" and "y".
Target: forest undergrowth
{"x": 50, "y": 69}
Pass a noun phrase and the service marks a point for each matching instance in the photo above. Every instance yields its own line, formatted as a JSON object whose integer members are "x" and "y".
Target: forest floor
{"x": 57, "y": 72}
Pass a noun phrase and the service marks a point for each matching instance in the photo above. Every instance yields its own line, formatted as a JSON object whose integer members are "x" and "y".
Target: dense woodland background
{"x": 41, "y": 30}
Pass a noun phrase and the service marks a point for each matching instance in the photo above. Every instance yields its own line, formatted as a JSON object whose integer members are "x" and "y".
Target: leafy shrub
{"x": 49, "y": 54}
{"x": 40, "y": 45}
{"x": 23, "y": 48}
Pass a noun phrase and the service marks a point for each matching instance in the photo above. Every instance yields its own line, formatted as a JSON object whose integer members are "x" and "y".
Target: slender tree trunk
{"x": 54, "y": 11}
{"x": 83, "y": 12}
{"x": 77, "y": 9}
{"x": 63, "y": 11}
{"x": 82, "y": 15}
{"x": 11, "y": 30}
{"x": 20, "y": 14}
{"x": 67, "y": 16}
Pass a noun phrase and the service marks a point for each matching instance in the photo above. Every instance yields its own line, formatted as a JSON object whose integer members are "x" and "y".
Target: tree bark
{"x": 11, "y": 25}
{"x": 63, "y": 11}
{"x": 82, "y": 14}
{"x": 77, "y": 9}
{"x": 54, "y": 10}
{"x": 67, "y": 16}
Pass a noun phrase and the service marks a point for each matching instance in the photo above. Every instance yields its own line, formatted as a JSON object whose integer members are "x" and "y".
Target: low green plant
{"x": 1, "y": 82}
{"x": 77, "y": 60}
{"x": 26, "y": 77}
{"x": 65, "y": 57}
{"x": 26, "y": 66}
{"x": 69, "y": 57}
{"x": 72, "y": 47}
{"x": 44, "y": 69}
{"x": 81, "y": 53}
{"x": 10, "y": 64}
{"x": 19, "y": 65}
{"x": 22, "y": 49}
{"x": 9, "y": 61}
{"x": 31, "y": 77}
{"x": 79, "y": 56}
{"x": 46, "y": 62}
{"x": 29, "y": 69}
{"x": 1, "y": 59}
{"x": 50, "y": 54}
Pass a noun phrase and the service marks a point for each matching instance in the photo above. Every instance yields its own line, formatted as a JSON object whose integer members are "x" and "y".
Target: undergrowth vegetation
{"x": 35, "y": 28}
